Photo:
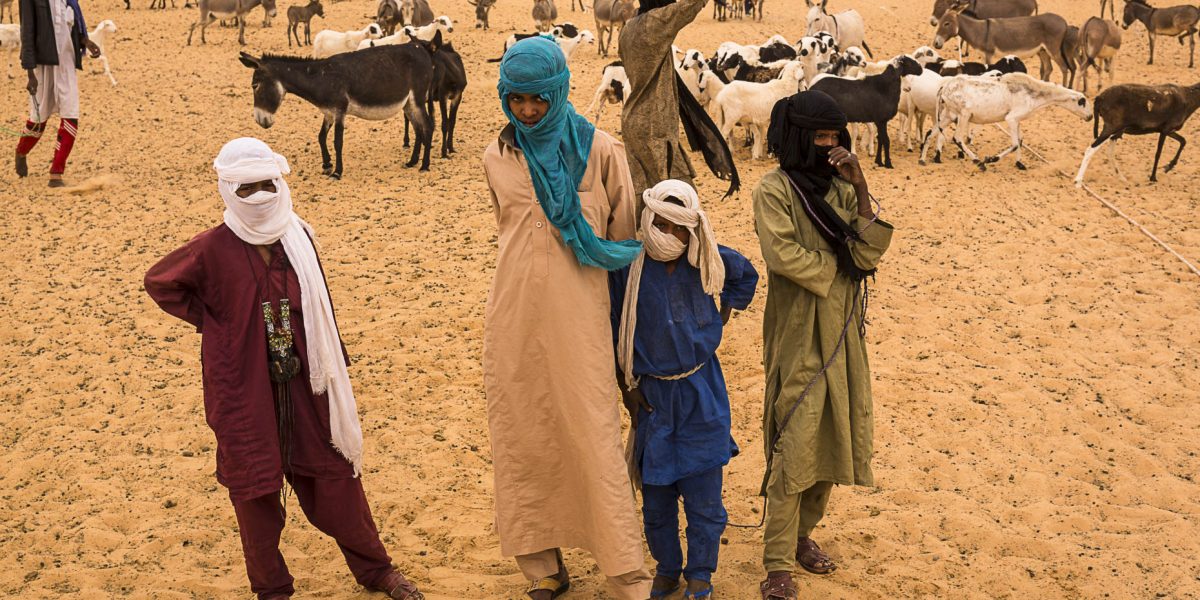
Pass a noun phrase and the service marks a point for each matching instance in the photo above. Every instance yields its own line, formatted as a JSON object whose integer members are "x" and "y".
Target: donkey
{"x": 610, "y": 15}
{"x": 1111, "y": 5}
{"x": 373, "y": 84}
{"x": 1010, "y": 98}
{"x": 417, "y": 13}
{"x": 544, "y": 14}
{"x": 987, "y": 9}
{"x": 847, "y": 27}
{"x": 1099, "y": 41}
{"x": 482, "y": 7}
{"x": 1176, "y": 21}
{"x": 303, "y": 14}
{"x": 1139, "y": 110}
{"x": 389, "y": 16}
{"x": 1021, "y": 36}
{"x": 211, "y": 10}
{"x": 449, "y": 81}
{"x": 582, "y": 6}
{"x": 9, "y": 4}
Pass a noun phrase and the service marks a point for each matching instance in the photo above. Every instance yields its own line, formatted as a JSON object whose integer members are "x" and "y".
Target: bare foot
{"x": 22, "y": 166}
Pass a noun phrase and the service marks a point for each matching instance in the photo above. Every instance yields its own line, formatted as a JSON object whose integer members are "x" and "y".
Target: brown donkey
{"x": 1042, "y": 35}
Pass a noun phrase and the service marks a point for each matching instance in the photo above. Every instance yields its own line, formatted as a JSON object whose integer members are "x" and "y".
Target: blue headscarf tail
{"x": 557, "y": 148}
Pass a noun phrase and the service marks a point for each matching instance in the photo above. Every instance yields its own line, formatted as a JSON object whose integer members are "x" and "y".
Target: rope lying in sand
{"x": 1112, "y": 207}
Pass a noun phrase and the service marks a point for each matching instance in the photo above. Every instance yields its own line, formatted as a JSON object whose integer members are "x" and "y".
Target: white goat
{"x": 103, "y": 36}
{"x": 426, "y": 33}
{"x": 10, "y": 42}
{"x": 1009, "y": 98}
{"x": 744, "y": 102}
{"x": 918, "y": 99}
{"x": 328, "y": 42}
{"x": 613, "y": 89}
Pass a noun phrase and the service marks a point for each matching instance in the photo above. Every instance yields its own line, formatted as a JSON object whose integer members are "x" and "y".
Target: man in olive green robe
{"x": 817, "y": 421}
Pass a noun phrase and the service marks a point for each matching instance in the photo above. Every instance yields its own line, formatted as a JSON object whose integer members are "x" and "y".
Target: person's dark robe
{"x": 218, "y": 283}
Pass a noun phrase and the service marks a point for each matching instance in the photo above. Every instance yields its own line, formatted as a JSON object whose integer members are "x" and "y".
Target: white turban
{"x": 264, "y": 218}
{"x": 702, "y": 253}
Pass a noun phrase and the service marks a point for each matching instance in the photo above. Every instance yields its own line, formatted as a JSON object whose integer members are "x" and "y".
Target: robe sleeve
{"x": 814, "y": 270}
{"x": 661, "y": 25}
{"x": 875, "y": 241}
{"x": 740, "y": 280}
{"x": 618, "y": 186}
{"x": 174, "y": 282}
{"x": 492, "y": 192}
{"x": 617, "y": 281}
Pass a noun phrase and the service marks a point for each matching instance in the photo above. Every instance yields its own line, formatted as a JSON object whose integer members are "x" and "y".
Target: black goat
{"x": 873, "y": 99}
{"x": 776, "y": 51}
{"x": 950, "y": 68}
{"x": 1139, "y": 110}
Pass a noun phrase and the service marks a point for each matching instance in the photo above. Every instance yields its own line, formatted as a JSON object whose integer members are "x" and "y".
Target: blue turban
{"x": 557, "y": 148}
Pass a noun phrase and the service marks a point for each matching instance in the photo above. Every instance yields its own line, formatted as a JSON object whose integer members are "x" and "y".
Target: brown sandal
{"x": 396, "y": 586}
{"x": 812, "y": 558}
{"x": 778, "y": 586}
{"x": 557, "y": 584}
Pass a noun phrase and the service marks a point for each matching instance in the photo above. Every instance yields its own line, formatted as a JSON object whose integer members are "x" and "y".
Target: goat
{"x": 10, "y": 43}
{"x": 613, "y": 88}
{"x": 847, "y": 27}
{"x": 425, "y": 33}
{"x": 1176, "y": 21}
{"x": 1136, "y": 109}
{"x": 303, "y": 14}
{"x": 1022, "y": 36}
{"x": 102, "y": 35}
{"x": 482, "y": 8}
{"x": 873, "y": 99}
{"x": 610, "y": 16}
{"x": 1010, "y": 98}
{"x": 544, "y": 14}
{"x": 751, "y": 104}
{"x": 230, "y": 8}
{"x": 1099, "y": 41}
{"x": 567, "y": 36}
{"x": 328, "y": 42}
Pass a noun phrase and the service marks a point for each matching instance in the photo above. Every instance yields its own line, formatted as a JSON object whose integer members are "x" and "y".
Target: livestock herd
{"x": 740, "y": 83}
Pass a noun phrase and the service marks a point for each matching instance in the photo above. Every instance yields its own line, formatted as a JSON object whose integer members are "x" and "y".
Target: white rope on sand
{"x": 1113, "y": 208}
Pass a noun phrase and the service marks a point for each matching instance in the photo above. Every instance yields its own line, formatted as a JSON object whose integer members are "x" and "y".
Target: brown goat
{"x": 1177, "y": 21}
{"x": 1139, "y": 110}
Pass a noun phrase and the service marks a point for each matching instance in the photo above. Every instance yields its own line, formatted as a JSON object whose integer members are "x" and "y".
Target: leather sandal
{"x": 397, "y": 587}
{"x": 554, "y": 585}
{"x": 812, "y": 558}
{"x": 778, "y": 586}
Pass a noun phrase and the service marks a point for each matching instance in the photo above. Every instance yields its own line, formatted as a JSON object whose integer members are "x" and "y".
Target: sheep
{"x": 689, "y": 68}
{"x": 925, "y": 55}
{"x": 613, "y": 88}
{"x": 873, "y": 99}
{"x": 400, "y": 37}
{"x": 567, "y": 36}
{"x": 303, "y": 14}
{"x": 10, "y": 42}
{"x": 328, "y": 42}
{"x": 1009, "y": 98}
{"x": 102, "y": 35}
{"x": 751, "y": 104}
{"x": 710, "y": 84}
{"x": 918, "y": 100}
{"x": 425, "y": 33}
{"x": 1139, "y": 110}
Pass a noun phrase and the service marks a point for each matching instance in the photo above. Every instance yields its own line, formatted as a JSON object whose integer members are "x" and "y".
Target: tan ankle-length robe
{"x": 549, "y": 370}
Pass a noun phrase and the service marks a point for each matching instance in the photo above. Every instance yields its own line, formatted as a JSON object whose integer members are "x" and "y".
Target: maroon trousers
{"x": 337, "y": 507}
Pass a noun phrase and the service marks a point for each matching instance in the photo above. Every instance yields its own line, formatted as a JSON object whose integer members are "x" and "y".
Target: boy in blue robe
{"x": 664, "y": 308}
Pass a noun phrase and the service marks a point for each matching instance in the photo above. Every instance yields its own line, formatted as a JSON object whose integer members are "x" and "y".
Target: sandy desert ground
{"x": 1036, "y": 358}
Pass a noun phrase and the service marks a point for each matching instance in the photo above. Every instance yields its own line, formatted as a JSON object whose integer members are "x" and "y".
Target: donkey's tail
{"x": 495, "y": 60}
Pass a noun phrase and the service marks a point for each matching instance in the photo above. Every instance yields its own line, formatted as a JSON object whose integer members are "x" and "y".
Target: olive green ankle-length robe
{"x": 650, "y": 118}
{"x": 829, "y": 438}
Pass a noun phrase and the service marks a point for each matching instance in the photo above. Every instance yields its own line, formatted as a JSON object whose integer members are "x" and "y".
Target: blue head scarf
{"x": 557, "y": 148}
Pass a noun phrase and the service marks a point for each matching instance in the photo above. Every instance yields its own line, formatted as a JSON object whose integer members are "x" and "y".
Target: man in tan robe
{"x": 548, "y": 360}
{"x": 817, "y": 421}
{"x": 651, "y": 116}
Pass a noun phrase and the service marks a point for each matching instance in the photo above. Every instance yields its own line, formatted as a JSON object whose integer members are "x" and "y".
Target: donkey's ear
{"x": 248, "y": 60}
{"x": 436, "y": 42}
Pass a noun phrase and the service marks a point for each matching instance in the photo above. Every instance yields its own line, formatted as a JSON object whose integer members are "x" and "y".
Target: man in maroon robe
{"x": 268, "y": 431}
